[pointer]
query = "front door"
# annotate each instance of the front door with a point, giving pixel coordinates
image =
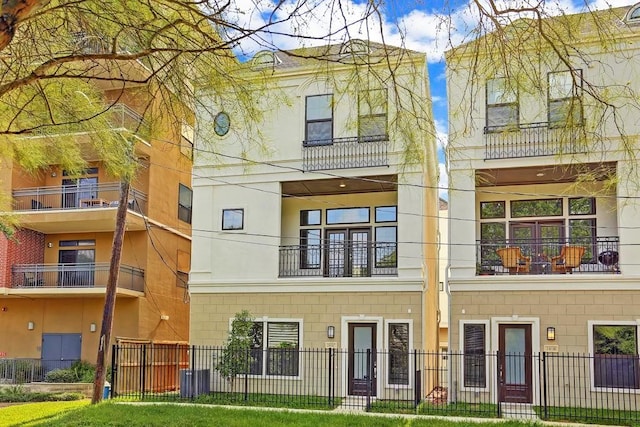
(348, 253)
(59, 351)
(362, 359)
(515, 363)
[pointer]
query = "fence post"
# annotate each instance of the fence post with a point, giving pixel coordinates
(544, 385)
(330, 372)
(499, 384)
(114, 369)
(143, 369)
(246, 376)
(369, 380)
(193, 373)
(416, 384)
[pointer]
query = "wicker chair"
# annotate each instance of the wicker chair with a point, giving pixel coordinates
(570, 257)
(513, 259)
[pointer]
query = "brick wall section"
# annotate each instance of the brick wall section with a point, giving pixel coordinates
(27, 247)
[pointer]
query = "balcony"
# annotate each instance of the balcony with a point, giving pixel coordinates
(339, 259)
(547, 256)
(531, 140)
(83, 196)
(74, 276)
(345, 153)
(119, 118)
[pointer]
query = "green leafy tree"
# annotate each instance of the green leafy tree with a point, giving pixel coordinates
(236, 356)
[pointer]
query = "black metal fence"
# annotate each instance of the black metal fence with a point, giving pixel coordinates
(345, 153)
(549, 386)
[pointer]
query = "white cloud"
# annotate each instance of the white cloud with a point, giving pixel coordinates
(443, 184)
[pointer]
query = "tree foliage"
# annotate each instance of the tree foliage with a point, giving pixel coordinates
(236, 355)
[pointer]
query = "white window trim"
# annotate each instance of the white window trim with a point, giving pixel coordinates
(487, 344)
(264, 320)
(590, 325)
(383, 367)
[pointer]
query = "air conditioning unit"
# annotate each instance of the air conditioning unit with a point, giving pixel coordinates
(194, 382)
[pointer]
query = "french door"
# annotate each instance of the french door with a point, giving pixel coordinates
(536, 238)
(348, 253)
(74, 190)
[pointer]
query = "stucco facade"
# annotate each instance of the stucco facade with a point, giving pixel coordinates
(544, 261)
(331, 232)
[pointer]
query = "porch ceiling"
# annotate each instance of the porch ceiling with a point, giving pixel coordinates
(364, 184)
(544, 174)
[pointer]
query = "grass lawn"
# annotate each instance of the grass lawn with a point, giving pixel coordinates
(30, 413)
(113, 414)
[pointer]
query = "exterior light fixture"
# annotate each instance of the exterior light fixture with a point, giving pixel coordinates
(551, 333)
(342, 184)
(92, 327)
(30, 325)
(331, 331)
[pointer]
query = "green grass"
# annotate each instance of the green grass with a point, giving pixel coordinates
(114, 414)
(29, 413)
(591, 415)
(260, 400)
(393, 407)
(460, 409)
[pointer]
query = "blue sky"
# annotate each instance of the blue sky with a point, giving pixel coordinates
(427, 26)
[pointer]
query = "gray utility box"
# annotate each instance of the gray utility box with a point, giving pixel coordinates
(194, 382)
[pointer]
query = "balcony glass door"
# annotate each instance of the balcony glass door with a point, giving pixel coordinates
(76, 267)
(76, 190)
(540, 240)
(348, 253)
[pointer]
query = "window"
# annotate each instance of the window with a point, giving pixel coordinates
(502, 105)
(542, 207)
(233, 219)
(312, 217)
(372, 115)
(565, 105)
(319, 117)
(582, 206)
(386, 214)
(347, 215)
(183, 262)
(310, 248)
(280, 346)
(186, 141)
(493, 235)
(474, 346)
(615, 352)
(398, 344)
(386, 247)
(185, 197)
(492, 210)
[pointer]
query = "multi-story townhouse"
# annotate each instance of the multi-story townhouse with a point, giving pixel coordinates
(321, 220)
(543, 146)
(53, 272)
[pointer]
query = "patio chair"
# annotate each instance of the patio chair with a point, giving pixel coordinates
(570, 257)
(513, 259)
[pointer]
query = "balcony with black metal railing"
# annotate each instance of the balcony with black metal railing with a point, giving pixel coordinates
(77, 275)
(548, 256)
(345, 153)
(71, 197)
(532, 140)
(341, 259)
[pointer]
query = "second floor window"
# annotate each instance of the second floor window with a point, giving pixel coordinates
(565, 105)
(319, 120)
(372, 115)
(185, 197)
(502, 105)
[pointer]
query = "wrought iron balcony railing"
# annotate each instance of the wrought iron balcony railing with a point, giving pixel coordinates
(530, 140)
(340, 259)
(80, 196)
(345, 153)
(549, 256)
(80, 275)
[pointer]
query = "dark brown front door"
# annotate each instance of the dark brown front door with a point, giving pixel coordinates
(515, 363)
(362, 359)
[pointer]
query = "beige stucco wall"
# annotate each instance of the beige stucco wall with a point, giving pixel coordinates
(567, 311)
(210, 314)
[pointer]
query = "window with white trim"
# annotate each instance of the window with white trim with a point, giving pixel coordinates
(615, 355)
(276, 348)
(474, 348)
(398, 345)
(319, 120)
(502, 105)
(565, 103)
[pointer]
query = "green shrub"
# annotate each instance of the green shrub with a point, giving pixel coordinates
(79, 372)
(19, 394)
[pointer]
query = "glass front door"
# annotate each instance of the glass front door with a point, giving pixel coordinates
(362, 359)
(515, 363)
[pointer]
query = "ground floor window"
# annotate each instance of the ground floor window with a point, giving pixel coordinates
(615, 355)
(474, 348)
(398, 343)
(275, 348)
